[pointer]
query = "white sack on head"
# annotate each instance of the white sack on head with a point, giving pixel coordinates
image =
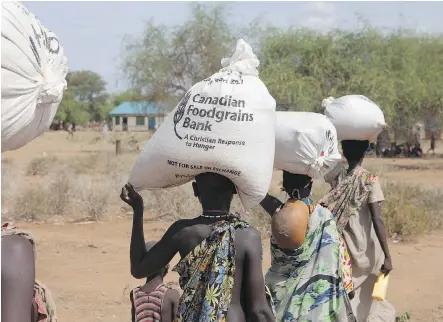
(305, 143)
(355, 117)
(33, 76)
(224, 124)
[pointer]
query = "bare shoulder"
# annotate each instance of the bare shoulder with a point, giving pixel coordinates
(184, 227)
(16, 246)
(249, 233)
(172, 295)
(19, 253)
(184, 223)
(248, 238)
(179, 227)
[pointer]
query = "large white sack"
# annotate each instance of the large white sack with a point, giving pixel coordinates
(355, 117)
(224, 124)
(33, 76)
(305, 143)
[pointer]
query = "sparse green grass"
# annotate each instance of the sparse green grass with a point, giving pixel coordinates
(403, 318)
(411, 211)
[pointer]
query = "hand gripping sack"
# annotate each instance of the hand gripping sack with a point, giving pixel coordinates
(355, 117)
(33, 76)
(223, 124)
(305, 143)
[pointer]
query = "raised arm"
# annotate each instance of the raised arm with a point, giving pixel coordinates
(257, 307)
(143, 263)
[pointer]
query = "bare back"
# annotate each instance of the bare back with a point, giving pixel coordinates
(248, 272)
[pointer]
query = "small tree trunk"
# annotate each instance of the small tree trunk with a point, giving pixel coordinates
(118, 150)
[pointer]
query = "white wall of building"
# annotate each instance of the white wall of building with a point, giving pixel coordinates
(132, 123)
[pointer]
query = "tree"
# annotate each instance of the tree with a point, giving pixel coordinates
(127, 96)
(72, 111)
(85, 99)
(400, 71)
(89, 87)
(167, 61)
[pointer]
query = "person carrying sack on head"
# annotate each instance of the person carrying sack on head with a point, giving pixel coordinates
(220, 267)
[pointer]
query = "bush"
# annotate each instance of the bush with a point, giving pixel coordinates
(411, 211)
(96, 139)
(95, 199)
(83, 185)
(102, 163)
(10, 179)
(90, 186)
(60, 195)
(172, 203)
(41, 202)
(31, 204)
(40, 166)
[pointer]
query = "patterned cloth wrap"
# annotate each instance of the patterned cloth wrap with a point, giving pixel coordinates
(42, 296)
(343, 201)
(349, 201)
(306, 283)
(207, 275)
(348, 194)
(345, 259)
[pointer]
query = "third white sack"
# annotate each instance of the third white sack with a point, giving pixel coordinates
(355, 117)
(223, 124)
(305, 143)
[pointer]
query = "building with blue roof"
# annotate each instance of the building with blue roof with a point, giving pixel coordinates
(137, 116)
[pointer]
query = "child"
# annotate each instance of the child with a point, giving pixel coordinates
(154, 301)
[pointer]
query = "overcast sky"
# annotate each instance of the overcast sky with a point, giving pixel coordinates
(92, 32)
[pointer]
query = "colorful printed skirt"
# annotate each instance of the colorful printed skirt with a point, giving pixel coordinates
(345, 259)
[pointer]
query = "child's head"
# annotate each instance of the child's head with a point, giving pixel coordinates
(164, 271)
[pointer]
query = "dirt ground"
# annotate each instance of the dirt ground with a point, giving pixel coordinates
(86, 265)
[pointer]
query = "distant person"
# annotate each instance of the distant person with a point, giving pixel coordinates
(417, 137)
(416, 151)
(105, 129)
(221, 256)
(24, 299)
(433, 139)
(154, 301)
(71, 131)
(355, 201)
